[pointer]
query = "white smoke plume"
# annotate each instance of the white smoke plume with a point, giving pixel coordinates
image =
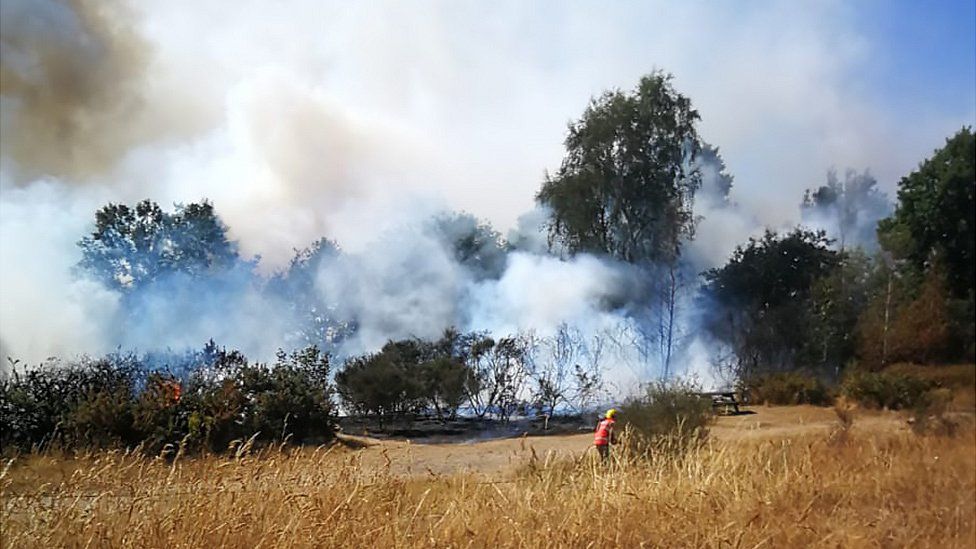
(359, 123)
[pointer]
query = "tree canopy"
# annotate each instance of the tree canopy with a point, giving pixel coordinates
(936, 213)
(758, 303)
(132, 247)
(626, 185)
(849, 209)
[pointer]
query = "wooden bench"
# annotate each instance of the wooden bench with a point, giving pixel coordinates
(723, 399)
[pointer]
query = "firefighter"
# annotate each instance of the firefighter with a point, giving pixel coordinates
(603, 437)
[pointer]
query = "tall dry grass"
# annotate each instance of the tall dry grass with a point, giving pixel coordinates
(863, 490)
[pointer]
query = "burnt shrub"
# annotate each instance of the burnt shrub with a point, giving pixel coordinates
(891, 390)
(666, 416)
(157, 414)
(787, 388)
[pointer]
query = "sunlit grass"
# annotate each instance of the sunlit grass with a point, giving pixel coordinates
(862, 490)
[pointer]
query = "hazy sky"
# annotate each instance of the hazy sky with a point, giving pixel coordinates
(299, 118)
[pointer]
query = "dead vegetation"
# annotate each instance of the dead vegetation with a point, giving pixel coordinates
(871, 487)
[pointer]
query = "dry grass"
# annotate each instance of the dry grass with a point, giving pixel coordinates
(865, 490)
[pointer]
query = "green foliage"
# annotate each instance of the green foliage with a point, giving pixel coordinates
(409, 377)
(290, 398)
(132, 247)
(788, 388)
(74, 404)
(626, 185)
(891, 390)
(836, 301)
(670, 415)
(475, 244)
(445, 382)
(936, 214)
(758, 304)
(379, 383)
(117, 401)
(313, 319)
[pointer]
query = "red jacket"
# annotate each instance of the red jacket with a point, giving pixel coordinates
(604, 432)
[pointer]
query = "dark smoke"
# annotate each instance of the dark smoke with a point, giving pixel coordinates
(71, 80)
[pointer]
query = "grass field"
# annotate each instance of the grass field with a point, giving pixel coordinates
(782, 477)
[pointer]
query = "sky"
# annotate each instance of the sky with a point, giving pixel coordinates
(480, 94)
(301, 119)
(315, 108)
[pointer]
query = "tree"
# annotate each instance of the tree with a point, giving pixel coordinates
(475, 244)
(588, 373)
(445, 379)
(499, 375)
(626, 189)
(848, 210)
(314, 318)
(934, 224)
(836, 301)
(387, 382)
(409, 376)
(716, 181)
(758, 303)
(936, 214)
(133, 247)
(552, 362)
(906, 319)
(626, 185)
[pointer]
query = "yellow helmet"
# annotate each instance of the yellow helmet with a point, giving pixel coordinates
(611, 413)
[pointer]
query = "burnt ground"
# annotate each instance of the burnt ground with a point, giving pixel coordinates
(462, 430)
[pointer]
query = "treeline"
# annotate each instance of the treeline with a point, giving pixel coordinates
(797, 301)
(178, 273)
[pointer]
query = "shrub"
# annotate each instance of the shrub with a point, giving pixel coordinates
(787, 388)
(291, 398)
(667, 415)
(407, 377)
(929, 414)
(955, 376)
(891, 390)
(119, 401)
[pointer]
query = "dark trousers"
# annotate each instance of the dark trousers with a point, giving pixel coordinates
(604, 450)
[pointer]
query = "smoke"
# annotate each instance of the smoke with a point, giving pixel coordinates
(722, 222)
(72, 76)
(849, 210)
(407, 285)
(46, 310)
(364, 125)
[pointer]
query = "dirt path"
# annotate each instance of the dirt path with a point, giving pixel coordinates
(493, 456)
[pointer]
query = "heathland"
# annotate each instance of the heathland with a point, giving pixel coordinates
(789, 476)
